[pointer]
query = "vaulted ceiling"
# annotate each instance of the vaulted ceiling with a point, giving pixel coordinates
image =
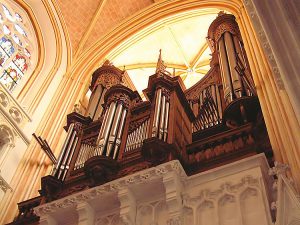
(181, 37)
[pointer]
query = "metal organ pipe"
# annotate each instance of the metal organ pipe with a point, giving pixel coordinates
(162, 117)
(113, 130)
(166, 121)
(94, 102)
(99, 107)
(225, 70)
(70, 157)
(156, 113)
(103, 140)
(58, 165)
(120, 131)
(135, 138)
(231, 56)
(68, 149)
(103, 124)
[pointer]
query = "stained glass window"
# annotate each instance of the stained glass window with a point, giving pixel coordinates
(15, 51)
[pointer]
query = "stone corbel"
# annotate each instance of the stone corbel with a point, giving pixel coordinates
(173, 186)
(127, 206)
(86, 213)
(278, 169)
(47, 220)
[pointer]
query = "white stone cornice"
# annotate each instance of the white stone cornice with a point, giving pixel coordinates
(113, 186)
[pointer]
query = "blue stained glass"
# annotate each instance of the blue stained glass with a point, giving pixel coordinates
(7, 46)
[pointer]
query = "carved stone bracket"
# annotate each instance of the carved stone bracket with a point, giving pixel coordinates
(278, 169)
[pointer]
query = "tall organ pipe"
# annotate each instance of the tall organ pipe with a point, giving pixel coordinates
(67, 154)
(166, 121)
(70, 158)
(225, 70)
(103, 124)
(62, 154)
(156, 112)
(110, 117)
(99, 106)
(162, 117)
(231, 56)
(113, 130)
(119, 135)
(95, 99)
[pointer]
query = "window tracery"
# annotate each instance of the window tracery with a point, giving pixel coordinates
(15, 47)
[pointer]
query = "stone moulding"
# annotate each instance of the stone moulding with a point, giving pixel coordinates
(155, 173)
(113, 186)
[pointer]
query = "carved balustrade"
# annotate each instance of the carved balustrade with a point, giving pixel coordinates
(226, 146)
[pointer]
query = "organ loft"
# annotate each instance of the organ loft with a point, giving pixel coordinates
(179, 156)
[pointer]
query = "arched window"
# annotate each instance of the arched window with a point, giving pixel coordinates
(15, 46)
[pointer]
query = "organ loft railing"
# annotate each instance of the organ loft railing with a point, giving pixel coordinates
(216, 121)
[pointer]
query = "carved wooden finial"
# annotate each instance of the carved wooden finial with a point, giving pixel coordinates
(221, 13)
(160, 67)
(107, 63)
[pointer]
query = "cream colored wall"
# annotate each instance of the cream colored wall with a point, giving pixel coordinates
(52, 96)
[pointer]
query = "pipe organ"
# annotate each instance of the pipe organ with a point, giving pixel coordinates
(215, 122)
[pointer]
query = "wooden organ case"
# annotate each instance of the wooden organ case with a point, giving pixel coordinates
(215, 122)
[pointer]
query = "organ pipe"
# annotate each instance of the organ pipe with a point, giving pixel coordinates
(231, 59)
(68, 149)
(119, 135)
(62, 154)
(103, 124)
(99, 106)
(94, 101)
(103, 140)
(162, 117)
(113, 130)
(156, 112)
(165, 133)
(225, 71)
(69, 158)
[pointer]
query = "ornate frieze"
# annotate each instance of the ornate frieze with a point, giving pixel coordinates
(116, 185)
